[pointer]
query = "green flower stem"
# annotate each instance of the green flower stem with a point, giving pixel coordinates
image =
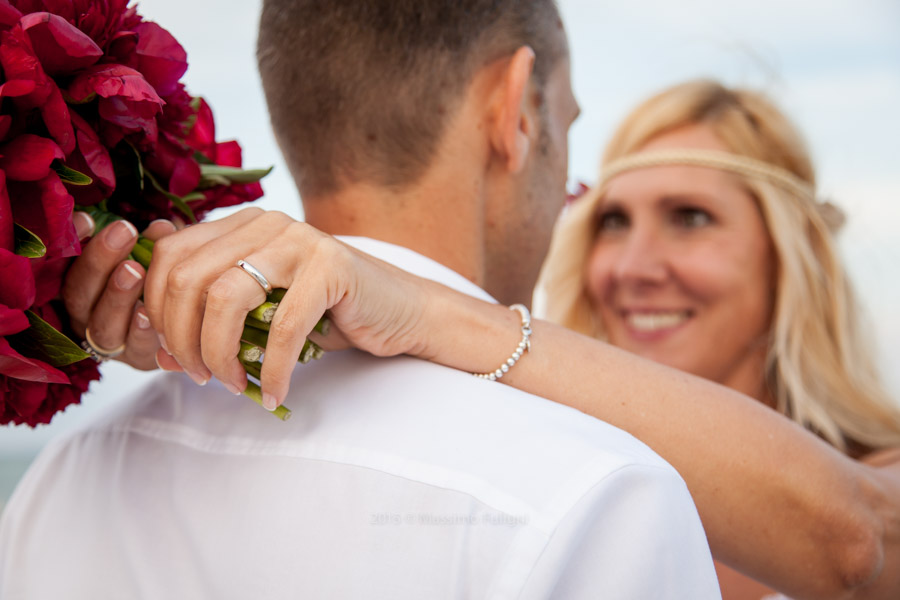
(249, 353)
(256, 323)
(142, 255)
(254, 369)
(254, 392)
(323, 326)
(254, 336)
(310, 351)
(259, 338)
(265, 312)
(277, 295)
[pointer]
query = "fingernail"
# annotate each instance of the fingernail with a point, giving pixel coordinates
(121, 234)
(162, 342)
(198, 379)
(84, 224)
(232, 389)
(166, 221)
(270, 403)
(127, 277)
(143, 321)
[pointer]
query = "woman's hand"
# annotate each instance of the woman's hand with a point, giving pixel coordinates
(102, 289)
(198, 299)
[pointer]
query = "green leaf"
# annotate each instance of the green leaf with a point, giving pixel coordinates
(70, 100)
(212, 181)
(202, 159)
(140, 165)
(179, 202)
(43, 342)
(28, 244)
(233, 174)
(70, 176)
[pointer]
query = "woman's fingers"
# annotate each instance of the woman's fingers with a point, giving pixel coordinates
(87, 278)
(235, 293)
(102, 291)
(159, 229)
(229, 300)
(296, 316)
(142, 342)
(112, 315)
(171, 250)
(189, 281)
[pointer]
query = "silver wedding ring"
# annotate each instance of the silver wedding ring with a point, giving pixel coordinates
(256, 275)
(98, 353)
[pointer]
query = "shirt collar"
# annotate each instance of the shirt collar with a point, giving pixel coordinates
(413, 262)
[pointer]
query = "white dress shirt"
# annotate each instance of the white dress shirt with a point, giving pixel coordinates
(395, 478)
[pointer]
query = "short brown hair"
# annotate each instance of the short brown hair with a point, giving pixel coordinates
(360, 90)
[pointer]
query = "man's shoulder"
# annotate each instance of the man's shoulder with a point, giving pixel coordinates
(451, 418)
(400, 416)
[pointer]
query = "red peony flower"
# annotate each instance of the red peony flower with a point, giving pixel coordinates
(127, 102)
(59, 46)
(92, 114)
(20, 63)
(161, 59)
(36, 401)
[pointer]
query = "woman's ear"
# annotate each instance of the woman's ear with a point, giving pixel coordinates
(514, 124)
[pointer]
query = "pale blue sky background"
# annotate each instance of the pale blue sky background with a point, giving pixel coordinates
(834, 65)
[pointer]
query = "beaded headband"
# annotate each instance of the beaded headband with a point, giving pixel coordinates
(742, 165)
(726, 161)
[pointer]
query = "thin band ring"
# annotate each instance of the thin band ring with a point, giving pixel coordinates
(98, 353)
(256, 275)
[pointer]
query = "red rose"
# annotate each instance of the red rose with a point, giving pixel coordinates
(91, 158)
(100, 20)
(35, 398)
(12, 321)
(127, 100)
(47, 213)
(17, 289)
(18, 393)
(16, 294)
(202, 136)
(28, 157)
(48, 278)
(61, 48)
(227, 154)
(9, 14)
(161, 58)
(19, 62)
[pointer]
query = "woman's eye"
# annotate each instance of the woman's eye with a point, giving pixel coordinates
(691, 218)
(611, 221)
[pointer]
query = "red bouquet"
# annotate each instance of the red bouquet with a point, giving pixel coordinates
(93, 116)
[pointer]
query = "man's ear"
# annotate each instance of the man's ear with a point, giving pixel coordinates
(514, 124)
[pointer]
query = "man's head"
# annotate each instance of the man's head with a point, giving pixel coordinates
(456, 111)
(361, 90)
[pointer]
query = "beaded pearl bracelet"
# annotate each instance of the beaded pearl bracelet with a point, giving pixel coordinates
(524, 346)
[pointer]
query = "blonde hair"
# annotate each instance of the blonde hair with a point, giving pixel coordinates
(819, 366)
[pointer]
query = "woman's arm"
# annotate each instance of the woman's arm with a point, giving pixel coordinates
(777, 503)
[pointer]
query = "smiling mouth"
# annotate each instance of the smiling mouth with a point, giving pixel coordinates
(650, 322)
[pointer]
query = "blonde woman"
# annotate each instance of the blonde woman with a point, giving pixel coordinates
(704, 248)
(778, 503)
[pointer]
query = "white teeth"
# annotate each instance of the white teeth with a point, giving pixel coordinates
(655, 321)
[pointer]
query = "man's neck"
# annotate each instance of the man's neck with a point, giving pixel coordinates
(433, 220)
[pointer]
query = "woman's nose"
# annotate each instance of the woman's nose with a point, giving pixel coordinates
(643, 258)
